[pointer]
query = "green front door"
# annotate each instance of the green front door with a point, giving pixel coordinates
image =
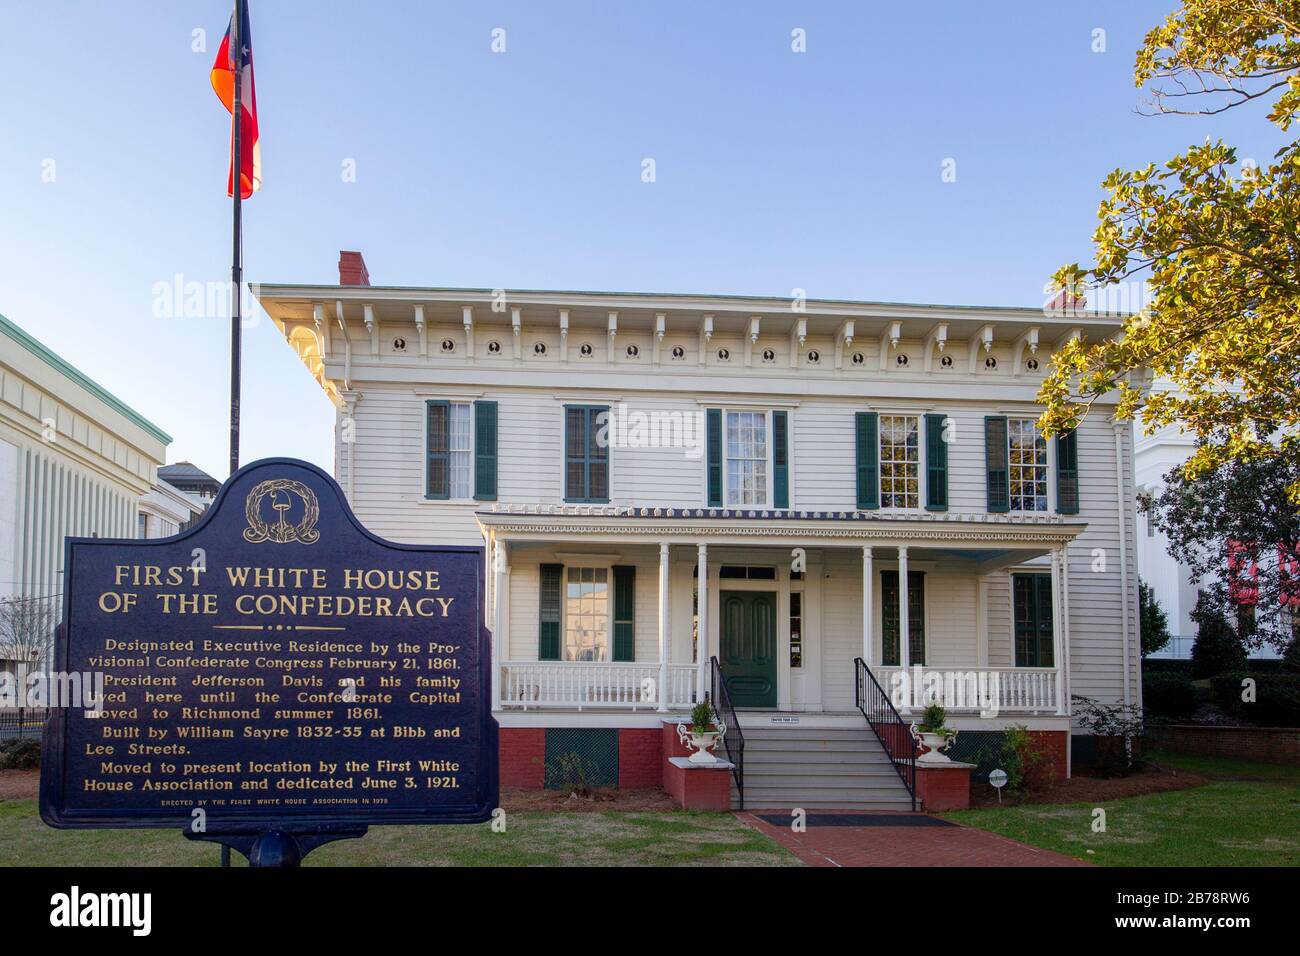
(749, 647)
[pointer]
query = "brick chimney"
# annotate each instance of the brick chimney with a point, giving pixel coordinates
(352, 269)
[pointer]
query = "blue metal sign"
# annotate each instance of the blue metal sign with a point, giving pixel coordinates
(275, 668)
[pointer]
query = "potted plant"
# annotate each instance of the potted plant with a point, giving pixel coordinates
(933, 735)
(702, 732)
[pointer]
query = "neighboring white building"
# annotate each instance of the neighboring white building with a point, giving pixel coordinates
(1170, 582)
(817, 455)
(74, 460)
(165, 510)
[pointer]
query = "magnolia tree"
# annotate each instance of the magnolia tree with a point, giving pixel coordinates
(1217, 240)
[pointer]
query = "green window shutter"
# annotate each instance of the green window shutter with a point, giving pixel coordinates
(437, 468)
(597, 454)
(624, 612)
(996, 470)
(548, 616)
(780, 460)
(889, 619)
(936, 463)
(1067, 473)
(485, 451)
(713, 441)
(866, 436)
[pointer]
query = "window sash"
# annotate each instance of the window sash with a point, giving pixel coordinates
(1027, 465)
(745, 461)
(1032, 619)
(889, 622)
(900, 461)
(586, 614)
(449, 450)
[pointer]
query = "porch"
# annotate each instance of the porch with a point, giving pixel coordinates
(785, 602)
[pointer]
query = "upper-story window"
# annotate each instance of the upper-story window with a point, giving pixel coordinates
(449, 443)
(900, 461)
(1027, 460)
(746, 466)
(586, 453)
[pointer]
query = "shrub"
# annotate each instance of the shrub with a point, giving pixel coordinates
(1168, 694)
(1024, 761)
(1115, 727)
(1218, 648)
(20, 754)
(1276, 703)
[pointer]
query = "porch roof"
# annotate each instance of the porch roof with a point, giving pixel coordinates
(974, 531)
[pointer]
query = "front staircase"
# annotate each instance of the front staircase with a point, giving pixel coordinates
(843, 768)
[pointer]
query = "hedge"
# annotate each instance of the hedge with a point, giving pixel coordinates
(1168, 694)
(1277, 698)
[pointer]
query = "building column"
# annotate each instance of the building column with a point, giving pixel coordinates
(868, 643)
(663, 626)
(1057, 628)
(702, 623)
(500, 617)
(904, 628)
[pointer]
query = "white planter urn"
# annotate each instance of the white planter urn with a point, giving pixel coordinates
(702, 742)
(935, 744)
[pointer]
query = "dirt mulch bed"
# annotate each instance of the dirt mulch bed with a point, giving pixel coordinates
(19, 784)
(1082, 789)
(555, 801)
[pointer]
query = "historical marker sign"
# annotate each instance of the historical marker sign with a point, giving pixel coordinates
(276, 667)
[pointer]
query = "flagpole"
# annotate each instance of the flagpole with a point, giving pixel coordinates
(236, 263)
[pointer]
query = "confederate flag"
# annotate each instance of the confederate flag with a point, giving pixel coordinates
(223, 82)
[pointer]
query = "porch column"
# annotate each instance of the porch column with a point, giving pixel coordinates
(500, 617)
(867, 580)
(663, 625)
(1057, 618)
(904, 630)
(702, 624)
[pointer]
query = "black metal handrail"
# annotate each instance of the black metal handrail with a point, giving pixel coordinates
(894, 734)
(733, 740)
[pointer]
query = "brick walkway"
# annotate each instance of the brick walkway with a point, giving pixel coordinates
(905, 846)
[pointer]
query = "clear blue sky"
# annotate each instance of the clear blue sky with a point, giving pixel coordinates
(775, 170)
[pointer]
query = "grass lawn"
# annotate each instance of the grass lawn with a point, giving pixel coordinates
(1248, 815)
(531, 839)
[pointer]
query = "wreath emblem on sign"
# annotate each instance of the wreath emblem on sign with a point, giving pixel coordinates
(281, 492)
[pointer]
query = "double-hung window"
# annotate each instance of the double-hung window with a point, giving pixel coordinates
(1032, 619)
(900, 461)
(1027, 461)
(747, 459)
(586, 614)
(449, 430)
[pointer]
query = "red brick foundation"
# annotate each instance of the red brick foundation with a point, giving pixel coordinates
(640, 758)
(523, 757)
(1052, 745)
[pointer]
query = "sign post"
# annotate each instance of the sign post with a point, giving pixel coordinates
(273, 679)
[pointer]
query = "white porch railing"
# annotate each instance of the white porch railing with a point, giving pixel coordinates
(582, 684)
(1026, 690)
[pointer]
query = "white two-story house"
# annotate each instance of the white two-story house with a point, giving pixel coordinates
(691, 495)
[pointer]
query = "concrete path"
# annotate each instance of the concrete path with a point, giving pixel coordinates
(901, 844)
